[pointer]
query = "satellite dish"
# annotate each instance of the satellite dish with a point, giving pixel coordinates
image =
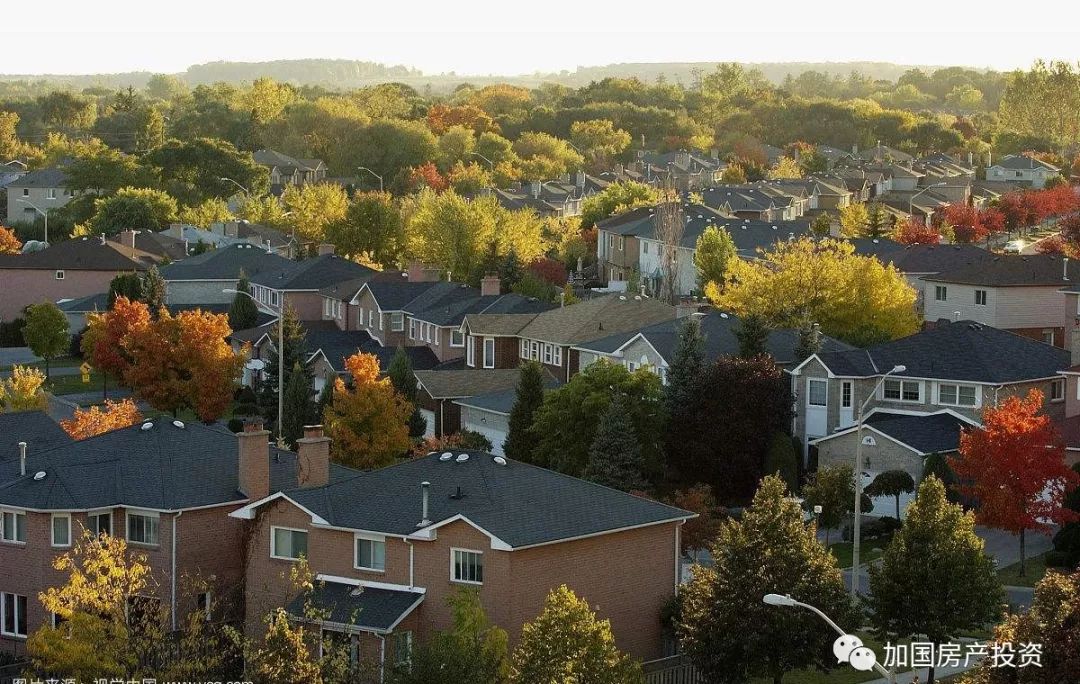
(255, 364)
(178, 424)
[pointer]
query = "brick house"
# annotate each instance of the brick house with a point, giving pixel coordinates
(64, 270)
(165, 486)
(298, 283)
(389, 546)
(439, 393)
(201, 279)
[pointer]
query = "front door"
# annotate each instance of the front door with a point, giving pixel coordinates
(817, 400)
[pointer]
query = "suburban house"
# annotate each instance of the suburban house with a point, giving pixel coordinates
(441, 390)
(1015, 168)
(160, 246)
(1019, 293)
(45, 189)
(11, 171)
(748, 202)
(684, 170)
(202, 279)
(653, 347)
(554, 198)
(918, 261)
(389, 546)
(165, 486)
(489, 414)
(64, 270)
(297, 284)
(219, 235)
(961, 366)
(329, 348)
(285, 170)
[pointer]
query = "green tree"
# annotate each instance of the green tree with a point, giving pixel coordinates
(821, 226)
(46, 332)
(753, 336)
(938, 465)
(243, 312)
(391, 146)
(720, 602)
(615, 455)
(372, 227)
(295, 351)
(403, 379)
(892, 483)
(133, 209)
(128, 285)
(567, 643)
(832, 488)
(713, 252)
(298, 407)
(567, 421)
(877, 221)
(544, 156)
(599, 139)
(686, 366)
(782, 460)
(153, 289)
(209, 212)
(314, 208)
(935, 578)
(193, 170)
(520, 438)
(615, 198)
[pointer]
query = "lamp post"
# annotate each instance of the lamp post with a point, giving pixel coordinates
(490, 163)
(230, 180)
(364, 168)
(43, 213)
(911, 200)
(858, 481)
(785, 601)
(281, 352)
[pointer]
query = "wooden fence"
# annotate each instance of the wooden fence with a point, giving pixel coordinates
(674, 670)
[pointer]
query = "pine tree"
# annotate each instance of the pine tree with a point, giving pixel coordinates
(128, 285)
(243, 313)
(298, 409)
(520, 440)
(510, 271)
(686, 366)
(295, 351)
(752, 334)
(153, 290)
(402, 378)
(877, 221)
(615, 457)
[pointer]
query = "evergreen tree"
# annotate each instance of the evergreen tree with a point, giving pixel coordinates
(877, 221)
(520, 439)
(809, 342)
(153, 290)
(243, 313)
(615, 457)
(685, 367)
(935, 578)
(937, 465)
(128, 285)
(752, 334)
(510, 271)
(402, 378)
(299, 409)
(295, 352)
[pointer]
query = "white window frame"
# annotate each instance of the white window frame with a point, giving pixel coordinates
(429, 334)
(524, 351)
(470, 351)
(374, 538)
(956, 386)
(534, 350)
(454, 550)
(977, 297)
(489, 362)
(941, 293)
(812, 382)
(273, 541)
(11, 596)
(437, 329)
(327, 307)
(150, 515)
(50, 193)
(360, 310)
(59, 274)
(406, 637)
(397, 321)
(1057, 387)
(66, 517)
(371, 318)
(557, 355)
(901, 399)
(461, 337)
(15, 517)
(412, 328)
(95, 514)
(548, 353)
(1051, 334)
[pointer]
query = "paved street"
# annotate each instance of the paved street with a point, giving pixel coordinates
(19, 355)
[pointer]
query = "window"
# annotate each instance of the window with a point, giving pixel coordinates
(524, 349)
(644, 246)
(13, 606)
(403, 648)
(489, 352)
(902, 390)
(361, 312)
(535, 353)
(99, 523)
(622, 242)
(13, 527)
(412, 328)
(940, 293)
(610, 237)
(558, 356)
(957, 395)
(817, 392)
(547, 354)
(287, 544)
(50, 193)
(1057, 390)
(371, 318)
(61, 529)
(428, 332)
(55, 619)
(466, 566)
(457, 338)
(59, 275)
(397, 322)
(845, 395)
(470, 352)
(204, 604)
(142, 528)
(980, 297)
(437, 334)
(26, 193)
(340, 642)
(1048, 336)
(326, 307)
(380, 320)
(370, 553)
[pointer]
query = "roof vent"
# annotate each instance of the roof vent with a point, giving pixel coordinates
(622, 298)
(146, 426)
(723, 315)
(499, 460)
(39, 476)
(446, 456)
(461, 458)
(178, 424)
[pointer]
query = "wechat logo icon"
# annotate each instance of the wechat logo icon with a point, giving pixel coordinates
(849, 648)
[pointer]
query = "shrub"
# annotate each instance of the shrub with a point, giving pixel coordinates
(1062, 559)
(246, 409)
(236, 424)
(475, 441)
(11, 332)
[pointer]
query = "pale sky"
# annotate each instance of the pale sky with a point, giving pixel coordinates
(523, 36)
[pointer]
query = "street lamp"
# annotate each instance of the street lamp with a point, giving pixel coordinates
(858, 481)
(230, 180)
(785, 601)
(281, 352)
(364, 168)
(43, 213)
(490, 163)
(911, 200)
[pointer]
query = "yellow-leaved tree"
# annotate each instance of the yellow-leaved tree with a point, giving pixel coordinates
(96, 420)
(796, 283)
(23, 390)
(369, 421)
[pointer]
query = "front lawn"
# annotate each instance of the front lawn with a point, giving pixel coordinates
(1035, 570)
(871, 549)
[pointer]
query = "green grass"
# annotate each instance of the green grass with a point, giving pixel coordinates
(871, 549)
(1035, 570)
(841, 674)
(60, 385)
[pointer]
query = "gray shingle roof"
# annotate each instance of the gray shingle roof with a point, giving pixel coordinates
(338, 345)
(457, 384)
(45, 178)
(936, 432)
(81, 254)
(1022, 162)
(923, 258)
(579, 322)
(962, 350)
(518, 503)
(225, 263)
(1013, 270)
(312, 274)
(38, 430)
(503, 400)
(364, 608)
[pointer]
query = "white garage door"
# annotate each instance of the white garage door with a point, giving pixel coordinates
(429, 418)
(495, 436)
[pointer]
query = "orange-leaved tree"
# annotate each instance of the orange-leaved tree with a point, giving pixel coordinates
(106, 333)
(183, 361)
(1014, 468)
(9, 244)
(368, 421)
(95, 420)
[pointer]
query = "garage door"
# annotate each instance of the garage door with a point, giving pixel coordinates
(429, 418)
(496, 437)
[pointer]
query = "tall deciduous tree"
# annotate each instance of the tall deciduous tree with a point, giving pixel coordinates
(615, 198)
(153, 289)
(314, 208)
(369, 420)
(832, 488)
(96, 420)
(9, 244)
(520, 438)
(853, 219)
(372, 228)
(192, 170)
(22, 391)
(567, 643)
(243, 312)
(106, 334)
(46, 332)
(720, 602)
(133, 209)
(935, 578)
(1014, 466)
(713, 252)
(615, 455)
(128, 285)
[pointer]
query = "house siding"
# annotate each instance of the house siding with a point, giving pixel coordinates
(1027, 309)
(24, 286)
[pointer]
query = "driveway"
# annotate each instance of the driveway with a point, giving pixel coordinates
(10, 356)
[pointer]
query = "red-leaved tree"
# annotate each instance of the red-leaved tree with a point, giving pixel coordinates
(914, 232)
(427, 176)
(964, 221)
(1014, 469)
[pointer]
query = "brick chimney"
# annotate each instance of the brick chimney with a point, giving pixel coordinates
(313, 457)
(490, 285)
(325, 248)
(419, 273)
(127, 238)
(254, 462)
